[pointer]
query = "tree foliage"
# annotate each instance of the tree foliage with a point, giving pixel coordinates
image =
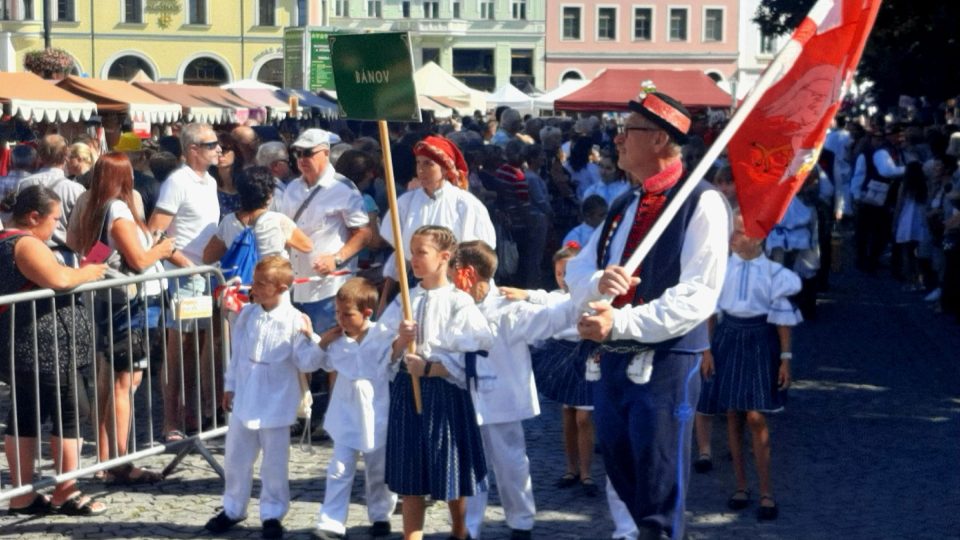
(912, 50)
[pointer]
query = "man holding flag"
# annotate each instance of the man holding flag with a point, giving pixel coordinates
(653, 333)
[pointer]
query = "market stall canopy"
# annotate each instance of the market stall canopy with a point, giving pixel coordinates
(566, 88)
(433, 81)
(195, 108)
(438, 109)
(509, 95)
(266, 95)
(28, 97)
(237, 108)
(310, 101)
(613, 88)
(122, 97)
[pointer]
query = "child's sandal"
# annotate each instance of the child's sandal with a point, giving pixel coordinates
(739, 500)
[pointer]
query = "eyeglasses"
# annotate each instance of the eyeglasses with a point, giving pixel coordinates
(208, 145)
(624, 129)
(306, 154)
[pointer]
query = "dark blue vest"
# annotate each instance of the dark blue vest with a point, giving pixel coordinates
(660, 270)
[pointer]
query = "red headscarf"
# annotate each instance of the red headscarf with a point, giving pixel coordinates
(447, 155)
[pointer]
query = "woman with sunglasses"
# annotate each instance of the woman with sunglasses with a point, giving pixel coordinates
(226, 171)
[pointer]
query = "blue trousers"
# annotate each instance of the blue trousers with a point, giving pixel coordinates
(645, 433)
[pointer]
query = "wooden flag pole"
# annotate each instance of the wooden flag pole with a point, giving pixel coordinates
(398, 252)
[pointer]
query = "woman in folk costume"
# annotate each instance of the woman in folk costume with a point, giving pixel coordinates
(442, 199)
(748, 372)
(437, 452)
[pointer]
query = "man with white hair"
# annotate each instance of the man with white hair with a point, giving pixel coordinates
(335, 221)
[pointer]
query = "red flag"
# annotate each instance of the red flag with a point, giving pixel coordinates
(780, 140)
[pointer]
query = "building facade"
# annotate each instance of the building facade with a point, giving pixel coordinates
(584, 37)
(188, 41)
(484, 43)
(756, 49)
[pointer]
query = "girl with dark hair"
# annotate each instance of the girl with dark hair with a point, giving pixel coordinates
(53, 349)
(582, 166)
(275, 232)
(112, 212)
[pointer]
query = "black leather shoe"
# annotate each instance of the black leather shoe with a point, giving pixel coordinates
(380, 528)
(221, 523)
(272, 529)
(519, 534)
(767, 513)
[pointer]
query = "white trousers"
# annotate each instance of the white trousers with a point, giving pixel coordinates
(336, 498)
(623, 525)
(506, 452)
(243, 447)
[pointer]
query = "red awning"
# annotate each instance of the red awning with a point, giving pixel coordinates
(613, 88)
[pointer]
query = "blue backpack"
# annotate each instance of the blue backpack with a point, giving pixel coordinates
(242, 256)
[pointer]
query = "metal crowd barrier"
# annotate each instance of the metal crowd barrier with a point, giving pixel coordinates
(115, 320)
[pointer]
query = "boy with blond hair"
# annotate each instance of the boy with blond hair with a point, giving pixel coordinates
(270, 348)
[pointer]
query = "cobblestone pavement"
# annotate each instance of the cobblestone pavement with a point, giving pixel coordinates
(867, 448)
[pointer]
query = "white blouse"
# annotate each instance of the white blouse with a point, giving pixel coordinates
(449, 324)
(759, 287)
(268, 352)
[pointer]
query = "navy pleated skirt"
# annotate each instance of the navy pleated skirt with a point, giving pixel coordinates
(439, 452)
(746, 355)
(559, 367)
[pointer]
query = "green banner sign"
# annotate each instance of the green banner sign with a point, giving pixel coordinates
(306, 59)
(293, 58)
(321, 73)
(374, 76)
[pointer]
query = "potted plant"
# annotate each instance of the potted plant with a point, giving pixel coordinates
(48, 63)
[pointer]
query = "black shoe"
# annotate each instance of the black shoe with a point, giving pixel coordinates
(567, 480)
(520, 534)
(380, 528)
(321, 534)
(272, 529)
(703, 464)
(767, 513)
(221, 523)
(589, 487)
(739, 500)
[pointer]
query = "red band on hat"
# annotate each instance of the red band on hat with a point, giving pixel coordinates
(446, 154)
(667, 112)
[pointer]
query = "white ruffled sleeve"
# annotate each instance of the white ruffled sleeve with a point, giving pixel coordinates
(783, 283)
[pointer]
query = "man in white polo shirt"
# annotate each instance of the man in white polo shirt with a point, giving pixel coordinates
(329, 208)
(187, 209)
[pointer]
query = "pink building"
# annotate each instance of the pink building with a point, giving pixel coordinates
(584, 37)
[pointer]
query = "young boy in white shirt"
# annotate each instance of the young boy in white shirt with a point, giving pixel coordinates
(356, 419)
(270, 348)
(503, 390)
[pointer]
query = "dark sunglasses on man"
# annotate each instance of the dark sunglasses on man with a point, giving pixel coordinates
(305, 154)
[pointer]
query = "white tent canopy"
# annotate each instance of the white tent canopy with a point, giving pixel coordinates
(509, 96)
(566, 88)
(433, 81)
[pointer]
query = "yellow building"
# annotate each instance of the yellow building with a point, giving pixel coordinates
(187, 41)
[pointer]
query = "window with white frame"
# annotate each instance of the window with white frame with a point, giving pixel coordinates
(267, 13)
(301, 15)
(572, 23)
(455, 7)
(678, 24)
(768, 44)
(606, 24)
(196, 11)
(341, 8)
(431, 10)
(375, 9)
(642, 24)
(16, 10)
(519, 10)
(486, 9)
(713, 24)
(133, 11)
(66, 10)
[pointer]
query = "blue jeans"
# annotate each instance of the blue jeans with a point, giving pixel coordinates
(321, 313)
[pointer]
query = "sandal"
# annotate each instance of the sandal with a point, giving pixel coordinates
(174, 436)
(80, 505)
(589, 487)
(703, 464)
(739, 500)
(767, 513)
(128, 475)
(40, 505)
(567, 480)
